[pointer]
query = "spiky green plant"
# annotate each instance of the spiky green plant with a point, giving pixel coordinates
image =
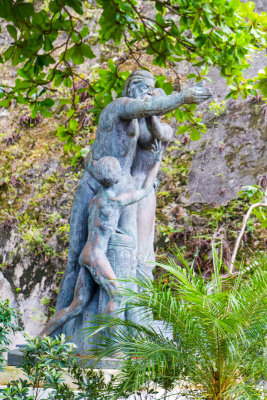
(218, 328)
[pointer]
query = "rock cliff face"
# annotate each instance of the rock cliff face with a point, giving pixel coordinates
(231, 155)
(32, 251)
(37, 186)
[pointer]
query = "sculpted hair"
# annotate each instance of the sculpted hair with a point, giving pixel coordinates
(107, 171)
(136, 76)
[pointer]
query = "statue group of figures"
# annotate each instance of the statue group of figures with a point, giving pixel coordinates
(113, 213)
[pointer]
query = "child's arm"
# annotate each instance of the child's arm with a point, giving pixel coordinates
(125, 199)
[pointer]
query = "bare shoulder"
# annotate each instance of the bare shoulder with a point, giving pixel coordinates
(115, 104)
(111, 112)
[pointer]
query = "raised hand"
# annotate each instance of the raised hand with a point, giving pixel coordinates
(197, 94)
(157, 150)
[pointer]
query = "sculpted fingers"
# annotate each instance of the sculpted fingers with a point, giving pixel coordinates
(159, 146)
(157, 150)
(196, 94)
(155, 146)
(202, 94)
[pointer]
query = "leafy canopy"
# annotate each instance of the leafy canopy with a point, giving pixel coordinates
(49, 43)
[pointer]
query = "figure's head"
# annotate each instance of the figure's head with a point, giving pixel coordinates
(139, 84)
(107, 171)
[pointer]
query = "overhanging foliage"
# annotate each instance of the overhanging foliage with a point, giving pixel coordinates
(49, 42)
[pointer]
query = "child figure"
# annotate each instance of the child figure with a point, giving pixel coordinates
(104, 212)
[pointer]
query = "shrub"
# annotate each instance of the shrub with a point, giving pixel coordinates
(45, 362)
(8, 325)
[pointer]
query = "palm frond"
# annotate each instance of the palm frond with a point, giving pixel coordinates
(218, 327)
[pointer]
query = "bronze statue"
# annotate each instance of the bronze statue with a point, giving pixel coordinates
(127, 129)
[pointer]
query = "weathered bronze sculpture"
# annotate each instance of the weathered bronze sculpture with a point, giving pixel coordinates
(127, 129)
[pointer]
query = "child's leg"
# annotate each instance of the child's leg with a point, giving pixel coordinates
(81, 296)
(104, 275)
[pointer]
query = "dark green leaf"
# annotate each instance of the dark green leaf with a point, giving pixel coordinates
(86, 51)
(48, 102)
(77, 55)
(9, 52)
(12, 31)
(67, 82)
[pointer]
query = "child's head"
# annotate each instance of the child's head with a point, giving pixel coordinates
(107, 171)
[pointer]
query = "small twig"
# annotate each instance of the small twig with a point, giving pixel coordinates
(132, 52)
(244, 223)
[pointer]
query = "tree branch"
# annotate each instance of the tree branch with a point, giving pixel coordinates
(244, 223)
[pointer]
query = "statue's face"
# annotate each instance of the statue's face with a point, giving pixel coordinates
(142, 88)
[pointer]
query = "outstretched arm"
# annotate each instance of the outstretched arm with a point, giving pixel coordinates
(161, 105)
(134, 196)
